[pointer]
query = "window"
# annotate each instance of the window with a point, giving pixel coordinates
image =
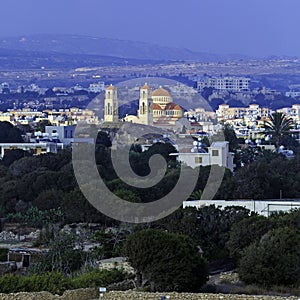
(198, 160)
(215, 153)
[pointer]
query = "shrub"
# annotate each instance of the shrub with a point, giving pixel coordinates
(97, 278)
(275, 260)
(54, 283)
(57, 283)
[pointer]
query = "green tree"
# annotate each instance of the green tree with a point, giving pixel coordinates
(48, 199)
(278, 126)
(103, 138)
(41, 125)
(196, 195)
(167, 262)
(9, 133)
(14, 155)
(208, 227)
(247, 232)
(275, 260)
(228, 135)
(127, 195)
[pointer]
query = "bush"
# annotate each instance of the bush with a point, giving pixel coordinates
(97, 278)
(275, 260)
(246, 232)
(54, 283)
(57, 283)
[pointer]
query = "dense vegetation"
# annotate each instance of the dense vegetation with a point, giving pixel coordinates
(41, 192)
(57, 283)
(166, 261)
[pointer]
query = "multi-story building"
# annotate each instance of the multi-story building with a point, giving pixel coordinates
(97, 87)
(251, 113)
(234, 84)
(217, 154)
(292, 112)
(65, 134)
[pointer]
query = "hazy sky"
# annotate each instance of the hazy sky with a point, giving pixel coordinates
(255, 27)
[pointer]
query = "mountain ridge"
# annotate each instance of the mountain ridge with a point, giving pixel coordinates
(89, 45)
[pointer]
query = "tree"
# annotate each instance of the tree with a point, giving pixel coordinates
(166, 261)
(103, 138)
(278, 126)
(208, 227)
(9, 133)
(275, 260)
(65, 255)
(246, 232)
(48, 199)
(14, 155)
(41, 125)
(196, 195)
(229, 136)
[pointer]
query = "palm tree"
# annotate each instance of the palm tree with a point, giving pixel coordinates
(196, 195)
(278, 126)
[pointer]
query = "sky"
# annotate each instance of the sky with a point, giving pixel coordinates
(249, 27)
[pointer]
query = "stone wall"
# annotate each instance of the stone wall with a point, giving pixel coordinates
(182, 296)
(93, 294)
(80, 294)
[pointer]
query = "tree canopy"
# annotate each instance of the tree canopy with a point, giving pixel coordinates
(166, 261)
(278, 126)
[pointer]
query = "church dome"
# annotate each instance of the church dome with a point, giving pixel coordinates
(173, 106)
(161, 92)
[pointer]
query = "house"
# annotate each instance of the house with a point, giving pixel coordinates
(217, 154)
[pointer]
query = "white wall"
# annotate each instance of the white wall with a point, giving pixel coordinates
(262, 207)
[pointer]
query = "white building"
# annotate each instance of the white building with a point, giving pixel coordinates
(218, 154)
(261, 207)
(65, 134)
(292, 94)
(234, 84)
(292, 112)
(97, 87)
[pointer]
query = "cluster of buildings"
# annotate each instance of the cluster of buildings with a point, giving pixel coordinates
(155, 108)
(95, 87)
(61, 117)
(54, 139)
(248, 121)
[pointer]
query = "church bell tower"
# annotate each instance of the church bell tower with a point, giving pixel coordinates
(111, 113)
(145, 112)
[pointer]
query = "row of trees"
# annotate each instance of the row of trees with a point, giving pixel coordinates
(174, 253)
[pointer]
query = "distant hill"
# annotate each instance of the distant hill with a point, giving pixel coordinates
(26, 59)
(85, 45)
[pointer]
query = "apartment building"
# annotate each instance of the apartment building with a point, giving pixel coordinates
(234, 84)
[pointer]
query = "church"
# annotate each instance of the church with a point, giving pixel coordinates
(156, 108)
